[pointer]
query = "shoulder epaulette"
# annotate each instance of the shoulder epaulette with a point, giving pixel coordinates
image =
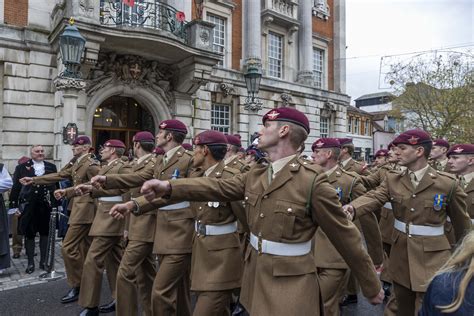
(231, 170)
(447, 174)
(352, 174)
(310, 166)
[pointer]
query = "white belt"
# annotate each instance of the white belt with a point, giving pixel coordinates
(388, 205)
(176, 206)
(418, 230)
(213, 230)
(279, 248)
(116, 198)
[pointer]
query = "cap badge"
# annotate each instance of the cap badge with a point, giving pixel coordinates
(319, 144)
(458, 150)
(293, 165)
(413, 140)
(107, 144)
(273, 115)
(163, 125)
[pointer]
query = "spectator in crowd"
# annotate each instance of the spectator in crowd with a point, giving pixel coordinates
(451, 291)
(17, 239)
(34, 203)
(5, 185)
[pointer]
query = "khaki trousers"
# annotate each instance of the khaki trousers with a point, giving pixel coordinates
(104, 253)
(352, 285)
(385, 275)
(332, 283)
(17, 240)
(135, 275)
(409, 302)
(213, 303)
(171, 295)
(74, 250)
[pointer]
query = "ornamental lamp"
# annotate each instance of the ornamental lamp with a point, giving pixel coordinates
(253, 75)
(71, 44)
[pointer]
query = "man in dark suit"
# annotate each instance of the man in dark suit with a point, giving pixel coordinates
(35, 203)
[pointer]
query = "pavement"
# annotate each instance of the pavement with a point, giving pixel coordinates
(27, 294)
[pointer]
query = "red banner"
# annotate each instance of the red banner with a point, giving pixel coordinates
(130, 3)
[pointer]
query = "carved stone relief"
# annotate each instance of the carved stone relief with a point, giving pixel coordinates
(130, 70)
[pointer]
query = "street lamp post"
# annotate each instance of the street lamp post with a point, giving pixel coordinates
(253, 75)
(71, 44)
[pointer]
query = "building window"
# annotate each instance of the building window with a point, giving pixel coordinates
(275, 55)
(367, 128)
(220, 118)
(324, 127)
(219, 35)
(318, 67)
(349, 125)
(357, 126)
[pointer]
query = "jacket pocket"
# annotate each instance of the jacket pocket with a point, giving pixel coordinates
(175, 215)
(436, 244)
(222, 242)
(293, 266)
(286, 214)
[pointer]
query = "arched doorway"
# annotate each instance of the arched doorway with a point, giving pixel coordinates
(120, 117)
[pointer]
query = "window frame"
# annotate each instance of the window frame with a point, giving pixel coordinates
(321, 84)
(324, 121)
(282, 54)
(223, 62)
(224, 128)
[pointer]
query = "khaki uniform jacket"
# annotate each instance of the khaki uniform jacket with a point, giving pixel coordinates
(83, 209)
(238, 164)
(371, 182)
(142, 228)
(415, 259)
(349, 188)
(174, 229)
(470, 198)
(104, 224)
(287, 210)
(217, 260)
(357, 167)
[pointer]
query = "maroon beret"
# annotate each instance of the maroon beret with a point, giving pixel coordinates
(187, 146)
(82, 140)
(381, 153)
(174, 125)
(238, 136)
(144, 136)
(345, 141)
(461, 149)
(233, 140)
(441, 142)
(159, 151)
(287, 115)
(210, 138)
(116, 143)
(23, 159)
(326, 143)
(413, 137)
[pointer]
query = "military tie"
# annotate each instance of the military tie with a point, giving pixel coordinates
(462, 182)
(165, 160)
(270, 173)
(413, 179)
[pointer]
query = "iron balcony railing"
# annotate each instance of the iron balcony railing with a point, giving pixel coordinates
(144, 13)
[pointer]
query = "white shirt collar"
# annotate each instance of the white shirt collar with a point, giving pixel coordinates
(171, 152)
(420, 173)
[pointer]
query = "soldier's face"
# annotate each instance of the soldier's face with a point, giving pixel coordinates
(37, 153)
(460, 164)
(437, 152)
(106, 152)
(380, 160)
(407, 154)
(79, 150)
(320, 156)
(269, 135)
(199, 156)
(392, 157)
(161, 138)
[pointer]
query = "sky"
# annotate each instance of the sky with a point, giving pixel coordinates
(379, 29)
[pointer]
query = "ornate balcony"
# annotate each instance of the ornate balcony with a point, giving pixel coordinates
(145, 13)
(281, 12)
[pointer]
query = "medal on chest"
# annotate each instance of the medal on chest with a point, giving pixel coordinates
(339, 193)
(438, 202)
(175, 174)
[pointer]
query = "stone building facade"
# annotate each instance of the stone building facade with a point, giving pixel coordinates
(143, 64)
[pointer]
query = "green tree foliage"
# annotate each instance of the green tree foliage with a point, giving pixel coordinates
(435, 93)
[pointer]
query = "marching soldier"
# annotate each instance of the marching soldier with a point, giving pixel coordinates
(439, 160)
(232, 158)
(174, 230)
(77, 241)
(345, 159)
(106, 248)
(421, 198)
(283, 212)
(461, 163)
(333, 271)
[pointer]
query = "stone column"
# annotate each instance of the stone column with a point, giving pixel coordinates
(70, 89)
(305, 42)
(253, 51)
(340, 46)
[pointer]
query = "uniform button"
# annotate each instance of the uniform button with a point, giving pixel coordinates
(265, 196)
(162, 172)
(199, 221)
(246, 198)
(391, 199)
(413, 196)
(200, 207)
(290, 210)
(36, 191)
(412, 209)
(262, 215)
(260, 234)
